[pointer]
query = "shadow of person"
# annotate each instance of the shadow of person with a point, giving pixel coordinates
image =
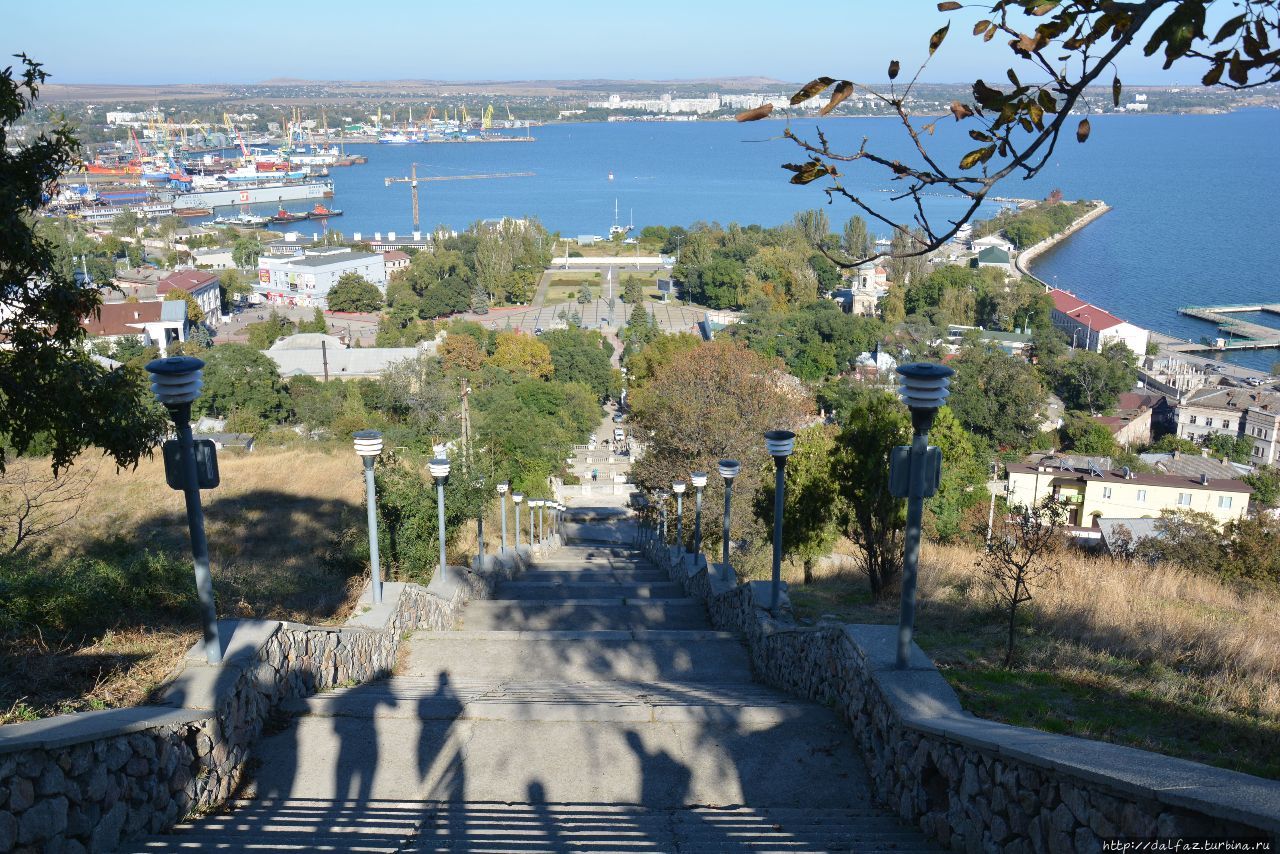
(548, 831)
(664, 781)
(441, 761)
(358, 749)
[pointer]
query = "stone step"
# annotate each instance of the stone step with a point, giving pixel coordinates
(579, 656)
(809, 762)
(314, 825)
(620, 613)
(723, 704)
(588, 590)
(623, 574)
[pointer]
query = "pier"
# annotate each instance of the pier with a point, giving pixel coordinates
(1241, 334)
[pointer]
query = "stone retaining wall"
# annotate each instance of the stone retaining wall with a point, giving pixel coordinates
(88, 781)
(973, 784)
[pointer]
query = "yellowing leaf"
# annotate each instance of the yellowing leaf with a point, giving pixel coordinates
(974, 157)
(948, 6)
(843, 90)
(813, 87)
(981, 27)
(754, 115)
(935, 40)
(1082, 130)
(960, 111)
(1043, 8)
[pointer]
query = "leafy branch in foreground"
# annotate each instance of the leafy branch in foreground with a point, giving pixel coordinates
(1067, 46)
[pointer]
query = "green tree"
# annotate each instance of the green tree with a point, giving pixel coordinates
(1170, 443)
(317, 323)
(1238, 449)
(233, 288)
(584, 295)
(246, 251)
(997, 396)
(1265, 481)
(1092, 382)
(264, 333)
(810, 525)
(1086, 436)
(49, 386)
(238, 378)
(581, 356)
(195, 314)
(875, 520)
(354, 293)
(124, 224)
(720, 284)
(856, 241)
(632, 290)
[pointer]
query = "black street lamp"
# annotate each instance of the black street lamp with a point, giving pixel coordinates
(176, 382)
(914, 474)
(780, 444)
(728, 470)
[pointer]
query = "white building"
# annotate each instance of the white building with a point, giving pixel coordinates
(1234, 412)
(156, 324)
(1093, 328)
(306, 279)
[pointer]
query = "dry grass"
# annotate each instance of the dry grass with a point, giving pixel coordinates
(286, 536)
(1155, 657)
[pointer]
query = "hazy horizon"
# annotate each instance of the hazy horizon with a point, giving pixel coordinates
(325, 42)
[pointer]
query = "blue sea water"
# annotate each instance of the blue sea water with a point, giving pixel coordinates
(1194, 217)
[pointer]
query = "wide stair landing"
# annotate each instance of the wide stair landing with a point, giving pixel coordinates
(588, 707)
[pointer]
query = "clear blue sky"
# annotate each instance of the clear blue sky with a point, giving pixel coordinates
(147, 41)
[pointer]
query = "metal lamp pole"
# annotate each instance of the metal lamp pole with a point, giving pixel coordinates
(699, 481)
(662, 497)
(535, 522)
(439, 468)
(914, 473)
(678, 488)
(780, 444)
(368, 446)
(502, 492)
(728, 470)
(176, 382)
(517, 498)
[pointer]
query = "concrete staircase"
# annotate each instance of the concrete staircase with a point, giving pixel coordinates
(589, 707)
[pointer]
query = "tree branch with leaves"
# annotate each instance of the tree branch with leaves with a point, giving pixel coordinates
(1063, 48)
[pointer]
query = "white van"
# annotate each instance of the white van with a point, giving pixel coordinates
(619, 435)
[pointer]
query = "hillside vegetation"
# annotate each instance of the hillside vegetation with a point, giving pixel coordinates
(95, 613)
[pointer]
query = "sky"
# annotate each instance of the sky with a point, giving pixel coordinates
(150, 42)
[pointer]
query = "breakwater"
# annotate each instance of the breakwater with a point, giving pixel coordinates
(1022, 263)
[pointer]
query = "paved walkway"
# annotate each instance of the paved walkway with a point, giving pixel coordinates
(589, 707)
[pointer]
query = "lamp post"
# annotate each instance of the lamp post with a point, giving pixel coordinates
(728, 470)
(517, 498)
(368, 446)
(914, 472)
(502, 492)
(780, 444)
(176, 383)
(662, 498)
(439, 468)
(678, 488)
(535, 521)
(699, 481)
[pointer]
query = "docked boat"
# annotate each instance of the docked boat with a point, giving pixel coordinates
(192, 211)
(241, 220)
(322, 212)
(284, 217)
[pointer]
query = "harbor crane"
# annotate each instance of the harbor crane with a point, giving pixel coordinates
(413, 181)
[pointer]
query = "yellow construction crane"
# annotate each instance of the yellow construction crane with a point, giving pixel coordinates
(466, 119)
(487, 121)
(413, 181)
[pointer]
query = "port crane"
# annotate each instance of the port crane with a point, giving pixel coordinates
(413, 181)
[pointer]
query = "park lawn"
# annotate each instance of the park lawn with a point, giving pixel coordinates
(1093, 672)
(286, 540)
(565, 286)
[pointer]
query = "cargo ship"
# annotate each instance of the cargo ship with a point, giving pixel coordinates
(248, 193)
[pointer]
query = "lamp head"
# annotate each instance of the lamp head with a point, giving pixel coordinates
(439, 467)
(729, 469)
(780, 443)
(698, 479)
(924, 385)
(503, 487)
(368, 443)
(176, 380)
(517, 497)
(678, 487)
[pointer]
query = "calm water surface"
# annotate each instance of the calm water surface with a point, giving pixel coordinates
(1194, 197)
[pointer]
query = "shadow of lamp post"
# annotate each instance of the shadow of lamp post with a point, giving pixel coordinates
(502, 493)
(368, 446)
(678, 488)
(914, 474)
(780, 444)
(439, 468)
(176, 382)
(728, 470)
(699, 481)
